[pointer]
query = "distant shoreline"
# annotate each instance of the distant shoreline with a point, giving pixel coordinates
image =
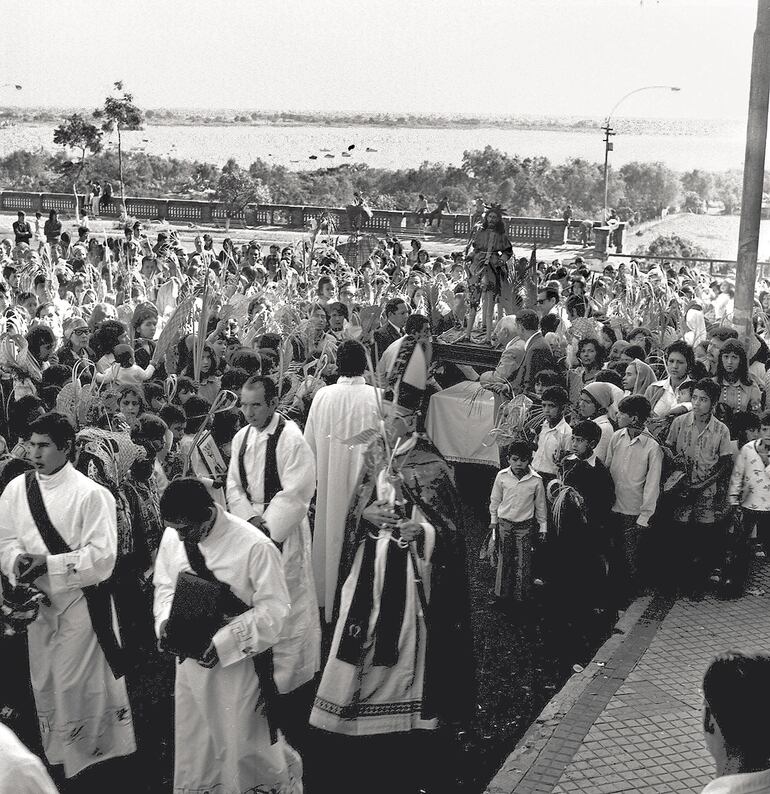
(36, 117)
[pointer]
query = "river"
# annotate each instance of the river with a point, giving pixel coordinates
(404, 147)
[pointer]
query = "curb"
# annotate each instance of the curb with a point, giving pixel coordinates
(529, 747)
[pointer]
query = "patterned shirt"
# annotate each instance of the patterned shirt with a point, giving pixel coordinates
(702, 450)
(750, 481)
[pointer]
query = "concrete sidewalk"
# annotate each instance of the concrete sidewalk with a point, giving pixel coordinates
(631, 721)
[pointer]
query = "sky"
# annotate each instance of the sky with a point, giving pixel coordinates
(492, 57)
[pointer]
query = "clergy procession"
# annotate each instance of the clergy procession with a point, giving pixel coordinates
(219, 486)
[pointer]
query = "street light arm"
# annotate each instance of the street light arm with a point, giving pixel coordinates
(636, 91)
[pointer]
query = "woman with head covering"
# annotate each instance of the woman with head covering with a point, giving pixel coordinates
(594, 401)
(75, 337)
(695, 325)
(638, 377)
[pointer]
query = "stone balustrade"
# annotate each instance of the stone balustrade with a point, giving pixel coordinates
(543, 232)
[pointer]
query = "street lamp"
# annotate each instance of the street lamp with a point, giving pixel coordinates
(608, 131)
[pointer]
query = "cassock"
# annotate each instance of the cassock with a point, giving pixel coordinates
(297, 654)
(83, 710)
(221, 733)
(338, 412)
(391, 668)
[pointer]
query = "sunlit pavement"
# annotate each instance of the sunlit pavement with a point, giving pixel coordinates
(632, 720)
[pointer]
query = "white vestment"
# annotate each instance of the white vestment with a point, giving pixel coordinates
(337, 413)
(21, 772)
(367, 699)
(297, 654)
(221, 737)
(83, 710)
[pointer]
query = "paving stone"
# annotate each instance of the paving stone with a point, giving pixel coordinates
(637, 726)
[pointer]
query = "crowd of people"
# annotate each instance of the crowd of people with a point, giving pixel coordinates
(219, 455)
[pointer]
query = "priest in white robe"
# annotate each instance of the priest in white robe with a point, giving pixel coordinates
(83, 709)
(337, 413)
(270, 482)
(222, 737)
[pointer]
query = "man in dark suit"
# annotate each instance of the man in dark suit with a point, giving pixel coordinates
(537, 352)
(392, 328)
(22, 230)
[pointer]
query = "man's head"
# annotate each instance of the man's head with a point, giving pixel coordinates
(585, 436)
(396, 312)
(418, 326)
(717, 337)
(547, 298)
(351, 359)
(259, 400)
(519, 457)
(187, 507)
(705, 395)
(554, 401)
(527, 323)
(633, 411)
(736, 703)
(51, 442)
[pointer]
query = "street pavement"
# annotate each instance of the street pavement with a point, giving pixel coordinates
(631, 721)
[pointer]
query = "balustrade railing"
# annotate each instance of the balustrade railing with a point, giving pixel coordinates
(541, 231)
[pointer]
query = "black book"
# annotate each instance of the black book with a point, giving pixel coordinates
(197, 614)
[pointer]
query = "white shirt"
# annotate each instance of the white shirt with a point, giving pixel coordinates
(635, 465)
(551, 442)
(517, 499)
(745, 783)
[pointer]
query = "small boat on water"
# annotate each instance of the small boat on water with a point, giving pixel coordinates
(329, 156)
(324, 150)
(369, 149)
(346, 154)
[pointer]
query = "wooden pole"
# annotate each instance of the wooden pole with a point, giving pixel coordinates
(753, 172)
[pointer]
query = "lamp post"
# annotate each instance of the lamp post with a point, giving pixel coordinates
(609, 132)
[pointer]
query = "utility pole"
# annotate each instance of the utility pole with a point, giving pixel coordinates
(753, 172)
(608, 133)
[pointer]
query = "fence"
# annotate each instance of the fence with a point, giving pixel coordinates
(544, 232)
(715, 267)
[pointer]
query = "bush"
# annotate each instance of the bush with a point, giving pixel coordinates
(673, 245)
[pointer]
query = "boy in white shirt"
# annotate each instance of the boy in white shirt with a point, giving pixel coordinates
(750, 486)
(516, 506)
(554, 440)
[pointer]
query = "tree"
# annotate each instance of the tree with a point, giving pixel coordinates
(700, 182)
(80, 135)
(236, 188)
(650, 187)
(120, 112)
(728, 188)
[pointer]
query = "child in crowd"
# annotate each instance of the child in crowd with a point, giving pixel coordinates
(516, 509)
(125, 371)
(749, 487)
(703, 443)
(635, 460)
(555, 432)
